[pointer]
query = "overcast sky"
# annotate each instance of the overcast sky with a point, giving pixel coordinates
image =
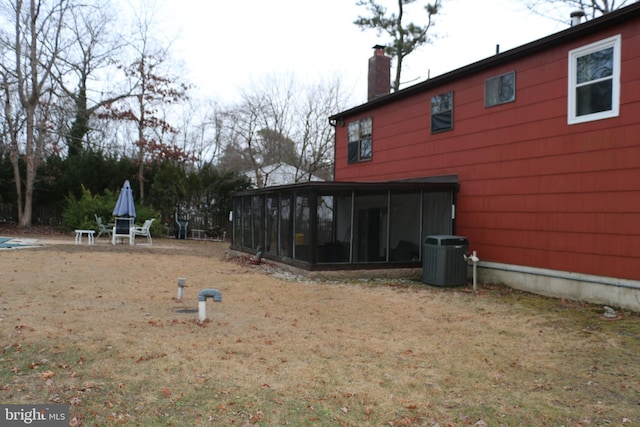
(225, 45)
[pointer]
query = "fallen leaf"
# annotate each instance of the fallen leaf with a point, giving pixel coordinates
(166, 391)
(46, 375)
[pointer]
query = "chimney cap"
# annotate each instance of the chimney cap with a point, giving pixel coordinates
(576, 17)
(379, 46)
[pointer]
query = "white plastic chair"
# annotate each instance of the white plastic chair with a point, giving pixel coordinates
(102, 227)
(145, 231)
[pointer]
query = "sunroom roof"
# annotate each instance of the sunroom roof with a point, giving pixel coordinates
(435, 183)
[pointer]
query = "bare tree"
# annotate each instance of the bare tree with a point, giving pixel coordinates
(559, 9)
(405, 37)
(244, 149)
(314, 133)
(32, 47)
(154, 88)
(199, 126)
(83, 70)
(283, 125)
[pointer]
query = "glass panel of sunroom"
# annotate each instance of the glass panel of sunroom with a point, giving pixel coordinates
(333, 228)
(271, 239)
(370, 228)
(404, 227)
(257, 209)
(437, 214)
(286, 227)
(246, 223)
(302, 228)
(237, 221)
(325, 231)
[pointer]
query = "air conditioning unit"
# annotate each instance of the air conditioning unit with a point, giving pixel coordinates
(443, 262)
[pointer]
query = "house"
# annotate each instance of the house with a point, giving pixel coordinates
(279, 174)
(532, 154)
(545, 142)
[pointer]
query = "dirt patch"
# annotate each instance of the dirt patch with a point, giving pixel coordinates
(100, 328)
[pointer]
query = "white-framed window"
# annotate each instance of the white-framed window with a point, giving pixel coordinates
(594, 81)
(500, 89)
(442, 112)
(360, 142)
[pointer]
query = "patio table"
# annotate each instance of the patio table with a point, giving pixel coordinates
(90, 237)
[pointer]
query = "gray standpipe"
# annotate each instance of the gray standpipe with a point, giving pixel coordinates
(181, 282)
(202, 301)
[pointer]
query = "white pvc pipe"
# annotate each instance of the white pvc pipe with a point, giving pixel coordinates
(181, 282)
(475, 260)
(202, 310)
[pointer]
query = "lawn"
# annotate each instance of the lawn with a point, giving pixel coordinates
(100, 329)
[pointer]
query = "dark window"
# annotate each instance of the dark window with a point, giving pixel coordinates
(272, 211)
(442, 112)
(302, 228)
(360, 142)
(286, 227)
(500, 89)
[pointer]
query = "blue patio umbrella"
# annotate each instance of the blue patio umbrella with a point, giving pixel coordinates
(124, 205)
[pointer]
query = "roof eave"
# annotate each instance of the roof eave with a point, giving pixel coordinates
(613, 18)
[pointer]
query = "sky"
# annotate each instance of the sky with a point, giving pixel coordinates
(226, 46)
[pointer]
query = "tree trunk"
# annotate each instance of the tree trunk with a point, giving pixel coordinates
(30, 163)
(15, 163)
(142, 142)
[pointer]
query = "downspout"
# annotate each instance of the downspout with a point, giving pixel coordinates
(332, 123)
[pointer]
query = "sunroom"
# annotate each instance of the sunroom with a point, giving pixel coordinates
(344, 225)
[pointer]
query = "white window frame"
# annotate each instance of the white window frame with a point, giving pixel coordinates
(572, 117)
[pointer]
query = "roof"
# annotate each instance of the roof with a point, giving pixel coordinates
(436, 183)
(280, 174)
(606, 21)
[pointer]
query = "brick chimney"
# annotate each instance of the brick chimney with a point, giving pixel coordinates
(379, 73)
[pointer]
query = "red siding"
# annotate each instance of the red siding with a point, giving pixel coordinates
(533, 190)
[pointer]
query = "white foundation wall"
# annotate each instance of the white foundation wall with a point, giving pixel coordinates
(609, 291)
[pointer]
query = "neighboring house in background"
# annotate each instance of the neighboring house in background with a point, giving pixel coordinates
(545, 141)
(279, 174)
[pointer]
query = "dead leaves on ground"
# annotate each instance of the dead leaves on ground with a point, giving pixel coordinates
(151, 356)
(46, 375)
